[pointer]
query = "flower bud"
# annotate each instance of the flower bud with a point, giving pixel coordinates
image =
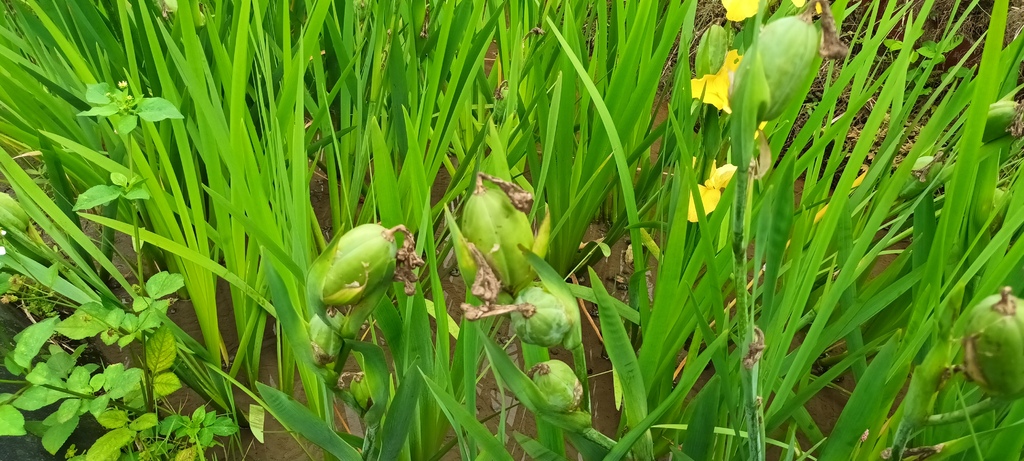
(711, 51)
(12, 216)
(994, 345)
(548, 320)
(324, 340)
(1000, 197)
(360, 390)
(500, 230)
(1001, 116)
(559, 385)
(926, 169)
(354, 264)
(779, 63)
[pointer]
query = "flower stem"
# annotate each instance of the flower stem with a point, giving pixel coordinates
(965, 413)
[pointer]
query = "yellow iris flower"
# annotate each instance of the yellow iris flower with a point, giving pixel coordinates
(714, 88)
(711, 190)
(738, 10)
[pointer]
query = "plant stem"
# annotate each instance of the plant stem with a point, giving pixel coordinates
(965, 413)
(597, 437)
(921, 396)
(745, 324)
(579, 358)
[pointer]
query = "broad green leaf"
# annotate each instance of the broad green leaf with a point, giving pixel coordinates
(81, 325)
(98, 405)
(157, 109)
(41, 374)
(113, 419)
(37, 397)
(108, 447)
(122, 382)
(161, 350)
(97, 93)
(105, 110)
(68, 409)
(79, 381)
(256, 420)
(31, 339)
(297, 419)
(96, 196)
(60, 362)
(163, 284)
(57, 435)
(137, 192)
(119, 179)
(11, 421)
(127, 123)
(223, 427)
(143, 422)
(165, 384)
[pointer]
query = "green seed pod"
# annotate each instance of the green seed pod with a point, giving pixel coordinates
(12, 216)
(784, 58)
(994, 345)
(498, 229)
(1000, 199)
(360, 390)
(558, 384)
(1001, 115)
(926, 169)
(711, 51)
(551, 320)
(354, 264)
(324, 340)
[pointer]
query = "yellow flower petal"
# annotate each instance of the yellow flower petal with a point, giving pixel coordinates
(712, 89)
(738, 10)
(709, 198)
(732, 60)
(720, 177)
(759, 128)
(820, 214)
(801, 3)
(860, 179)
